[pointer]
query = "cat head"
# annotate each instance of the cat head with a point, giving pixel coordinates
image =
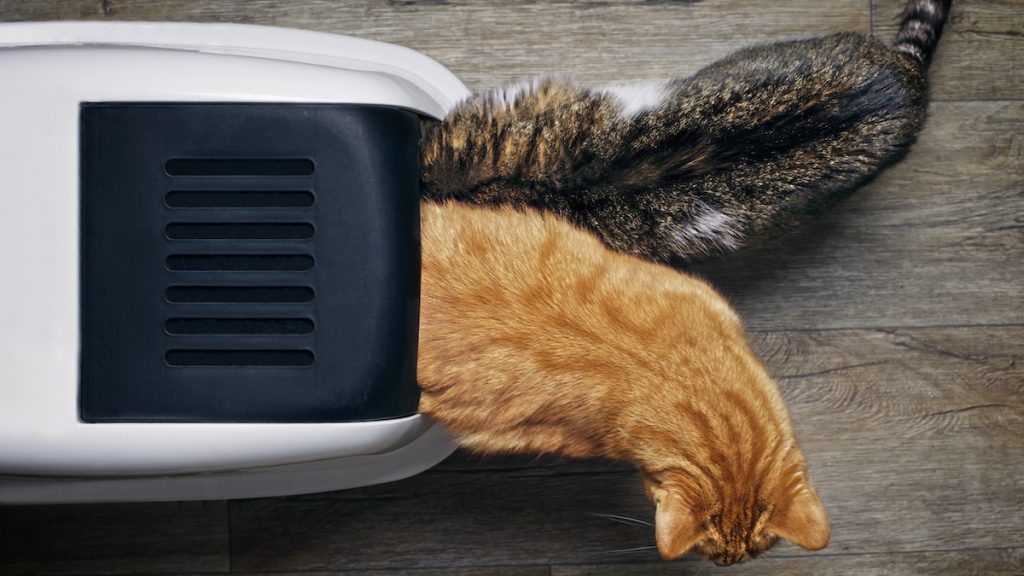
(715, 447)
(732, 528)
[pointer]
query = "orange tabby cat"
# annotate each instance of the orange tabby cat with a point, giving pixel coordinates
(536, 338)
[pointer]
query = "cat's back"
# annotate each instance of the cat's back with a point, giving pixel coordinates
(849, 54)
(542, 266)
(791, 93)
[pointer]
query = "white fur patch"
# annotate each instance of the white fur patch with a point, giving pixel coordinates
(507, 96)
(709, 229)
(636, 98)
(930, 7)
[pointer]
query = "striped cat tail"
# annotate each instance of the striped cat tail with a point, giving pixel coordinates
(921, 28)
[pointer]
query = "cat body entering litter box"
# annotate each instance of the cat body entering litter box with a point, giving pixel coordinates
(555, 333)
(676, 172)
(536, 338)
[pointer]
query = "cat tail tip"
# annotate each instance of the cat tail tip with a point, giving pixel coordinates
(921, 28)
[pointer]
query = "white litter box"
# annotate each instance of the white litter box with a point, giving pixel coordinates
(211, 255)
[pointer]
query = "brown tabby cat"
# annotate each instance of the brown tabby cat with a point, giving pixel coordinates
(536, 338)
(678, 171)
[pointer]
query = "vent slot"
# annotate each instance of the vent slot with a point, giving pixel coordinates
(239, 167)
(240, 262)
(240, 199)
(239, 358)
(248, 231)
(192, 326)
(240, 294)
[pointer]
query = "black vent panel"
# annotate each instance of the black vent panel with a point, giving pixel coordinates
(294, 214)
(248, 262)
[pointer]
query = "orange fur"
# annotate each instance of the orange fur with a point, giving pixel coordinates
(536, 338)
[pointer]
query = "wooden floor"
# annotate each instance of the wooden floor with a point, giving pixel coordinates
(895, 326)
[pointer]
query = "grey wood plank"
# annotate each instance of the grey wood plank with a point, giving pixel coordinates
(973, 562)
(607, 41)
(492, 43)
(912, 436)
(114, 539)
(909, 433)
(981, 50)
(935, 240)
(475, 571)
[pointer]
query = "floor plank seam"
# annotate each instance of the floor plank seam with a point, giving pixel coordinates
(871, 16)
(886, 329)
(231, 548)
(968, 100)
(809, 557)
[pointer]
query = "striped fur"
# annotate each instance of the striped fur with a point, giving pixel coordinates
(921, 28)
(762, 139)
(536, 338)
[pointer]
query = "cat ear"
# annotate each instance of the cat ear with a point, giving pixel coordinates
(803, 522)
(676, 527)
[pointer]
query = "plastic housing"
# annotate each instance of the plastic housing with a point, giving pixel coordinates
(47, 453)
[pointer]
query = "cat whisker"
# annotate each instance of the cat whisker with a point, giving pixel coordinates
(627, 550)
(629, 521)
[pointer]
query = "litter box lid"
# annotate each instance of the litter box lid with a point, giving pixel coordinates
(51, 72)
(391, 74)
